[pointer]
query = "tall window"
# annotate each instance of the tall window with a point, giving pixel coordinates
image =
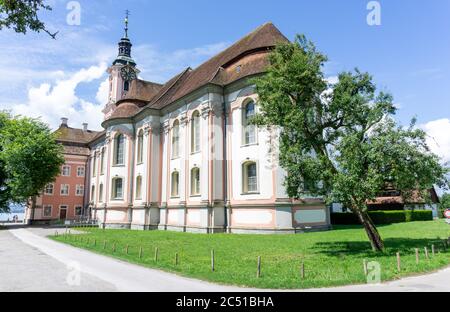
(65, 171)
(94, 166)
(78, 211)
(80, 190)
(93, 193)
(250, 178)
(176, 139)
(117, 191)
(48, 211)
(195, 132)
(195, 182)
(140, 147)
(49, 189)
(126, 86)
(102, 161)
(139, 188)
(249, 129)
(100, 193)
(175, 184)
(65, 189)
(119, 150)
(81, 172)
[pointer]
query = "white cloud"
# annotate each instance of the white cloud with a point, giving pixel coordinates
(51, 101)
(439, 137)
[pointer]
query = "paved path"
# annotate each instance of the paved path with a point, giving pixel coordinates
(55, 261)
(31, 262)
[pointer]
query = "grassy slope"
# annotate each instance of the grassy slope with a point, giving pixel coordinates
(331, 258)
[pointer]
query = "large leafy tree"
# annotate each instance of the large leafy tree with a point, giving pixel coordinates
(340, 140)
(30, 158)
(22, 15)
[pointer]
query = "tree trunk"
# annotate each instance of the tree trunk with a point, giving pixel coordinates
(374, 236)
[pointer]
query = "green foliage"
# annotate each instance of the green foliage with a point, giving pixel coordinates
(340, 141)
(384, 217)
(331, 258)
(22, 15)
(30, 158)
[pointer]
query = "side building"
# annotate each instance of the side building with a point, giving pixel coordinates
(66, 199)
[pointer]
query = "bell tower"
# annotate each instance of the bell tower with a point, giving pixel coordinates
(122, 72)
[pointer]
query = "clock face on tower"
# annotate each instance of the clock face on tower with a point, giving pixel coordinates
(128, 73)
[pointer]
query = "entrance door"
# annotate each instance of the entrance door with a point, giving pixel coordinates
(63, 213)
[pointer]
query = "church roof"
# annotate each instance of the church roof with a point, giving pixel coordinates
(215, 70)
(245, 58)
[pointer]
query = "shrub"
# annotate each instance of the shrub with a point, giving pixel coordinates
(383, 217)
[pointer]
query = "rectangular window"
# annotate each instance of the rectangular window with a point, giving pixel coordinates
(65, 189)
(195, 182)
(118, 189)
(78, 211)
(49, 189)
(81, 171)
(48, 211)
(65, 171)
(80, 190)
(100, 194)
(102, 162)
(139, 188)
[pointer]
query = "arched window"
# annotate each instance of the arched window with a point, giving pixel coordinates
(140, 147)
(249, 129)
(176, 139)
(175, 184)
(100, 193)
(195, 182)
(102, 161)
(126, 86)
(119, 150)
(195, 132)
(250, 177)
(139, 188)
(117, 188)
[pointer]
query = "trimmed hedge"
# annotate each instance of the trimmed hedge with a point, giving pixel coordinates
(383, 217)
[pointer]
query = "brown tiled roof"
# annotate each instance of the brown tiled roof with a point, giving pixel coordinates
(218, 69)
(124, 110)
(66, 134)
(142, 91)
(249, 54)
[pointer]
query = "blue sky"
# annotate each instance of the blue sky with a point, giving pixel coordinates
(408, 54)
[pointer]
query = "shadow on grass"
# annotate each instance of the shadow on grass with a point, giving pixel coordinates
(363, 249)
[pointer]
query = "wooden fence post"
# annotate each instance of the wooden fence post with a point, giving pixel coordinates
(426, 253)
(126, 249)
(258, 273)
(366, 270)
(114, 247)
(417, 256)
(302, 270)
(156, 254)
(176, 258)
(433, 250)
(140, 252)
(104, 245)
(399, 263)
(212, 260)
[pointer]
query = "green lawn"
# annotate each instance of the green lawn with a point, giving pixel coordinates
(330, 258)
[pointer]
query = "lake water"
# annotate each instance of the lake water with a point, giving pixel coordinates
(5, 216)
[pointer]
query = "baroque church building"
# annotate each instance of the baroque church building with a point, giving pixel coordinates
(182, 156)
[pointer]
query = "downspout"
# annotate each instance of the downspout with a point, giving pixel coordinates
(225, 161)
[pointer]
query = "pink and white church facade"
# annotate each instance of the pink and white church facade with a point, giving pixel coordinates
(181, 155)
